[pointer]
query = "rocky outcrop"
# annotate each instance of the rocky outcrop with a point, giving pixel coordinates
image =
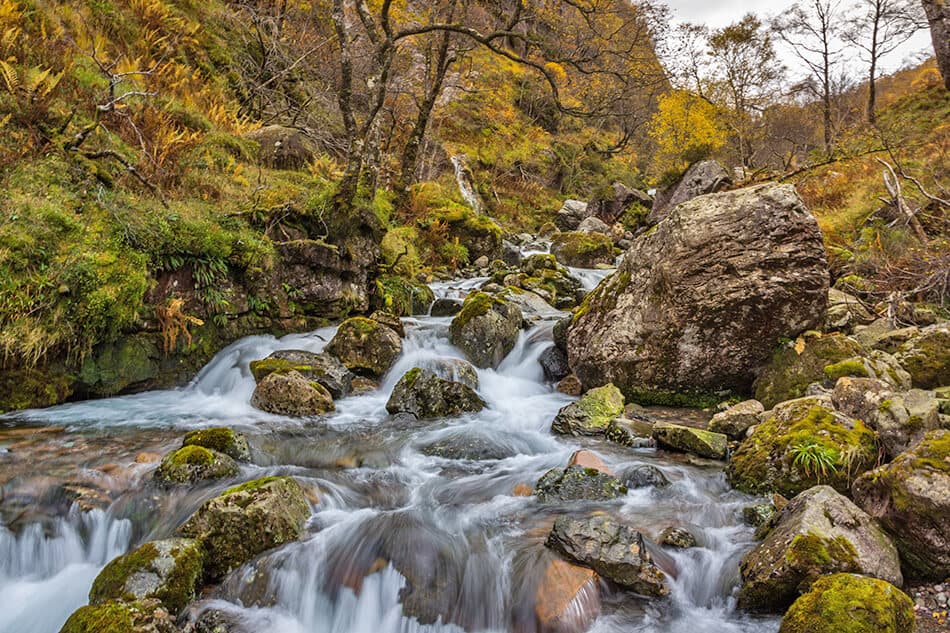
(591, 414)
(611, 205)
(910, 497)
(926, 357)
(570, 216)
(689, 440)
(704, 177)
(614, 550)
(486, 329)
(366, 347)
(321, 368)
(583, 250)
(247, 520)
(291, 394)
(423, 394)
(852, 603)
(697, 305)
(191, 464)
(454, 369)
(819, 532)
(221, 439)
(737, 419)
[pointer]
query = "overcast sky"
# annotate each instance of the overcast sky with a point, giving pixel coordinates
(717, 13)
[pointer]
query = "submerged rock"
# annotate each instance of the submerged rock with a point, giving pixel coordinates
(221, 439)
(247, 520)
(366, 347)
(486, 329)
(690, 440)
(426, 396)
(819, 532)
(291, 394)
(321, 368)
(577, 483)
(851, 603)
(567, 599)
(612, 549)
(191, 464)
(583, 250)
(591, 414)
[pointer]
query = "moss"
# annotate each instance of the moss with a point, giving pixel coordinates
(811, 551)
(789, 373)
(251, 486)
(403, 297)
(848, 603)
(193, 463)
(110, 583)
(194, 455)
(668, 398)
(885, 406)
(411, 376)
(933, 452)
(111, 617)
(850, 367)
(476, 304)
(602, 404)
(582, 249)
(220, 439)
(260, 369)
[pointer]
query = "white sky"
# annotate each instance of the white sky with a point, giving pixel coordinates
(718, 13)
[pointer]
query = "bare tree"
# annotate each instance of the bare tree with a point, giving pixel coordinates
(938, 15)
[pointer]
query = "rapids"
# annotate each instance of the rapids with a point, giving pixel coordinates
(477, 548)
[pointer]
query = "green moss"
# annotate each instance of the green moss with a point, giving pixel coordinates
(848, 603)
(582, 249)
(195, 455)
(885, 406)
(400, 252)
(789, 373)
(192, 463)
(411, 376)
(403, 297)
(220, 439)
(811, 551)
(601, 405)
(668, 398)
(260, 369)
(476, 304)
(361, 326)
(251, 486)
(111, 617)
(933, 452)
(850, 367)
(110, 583)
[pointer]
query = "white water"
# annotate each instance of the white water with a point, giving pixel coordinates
(461, 513)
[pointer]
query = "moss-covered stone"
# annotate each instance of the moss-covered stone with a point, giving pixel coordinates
(292, 394)
(690, 440)
(583, 250)
(322, 368)
(577, 483)
(193, 463)
(169, 571)
(926, 357)
(849, 603)
(592, 414)
(365, 346)
(402, 296)
(423, 394)
(221, 439)
(146, 616)
(850, 367)
(789, 373)
(486, 328)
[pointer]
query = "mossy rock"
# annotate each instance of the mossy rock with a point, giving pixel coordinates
(113, 367)
(583, 250)
(481, 236)
(803, 444)
(168, 570)
(926, 357)
(34, 388)
(402, 296)
(486, 328)
(247, 520)
(577, 483)
(192, 463)
(221, 439)
(292, 394)
(426, 396)
(689, 440)
(590, 415)
(366, 347)
(789, 373)
(322, 368)
(849, 603)
(147, 616)
(399, 251)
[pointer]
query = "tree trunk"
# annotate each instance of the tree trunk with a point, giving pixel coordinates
(938, 15)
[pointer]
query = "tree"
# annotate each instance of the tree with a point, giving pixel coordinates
(686, 128)
(879, 27)
(938, 16)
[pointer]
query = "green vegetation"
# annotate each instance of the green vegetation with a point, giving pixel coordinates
(849, 603)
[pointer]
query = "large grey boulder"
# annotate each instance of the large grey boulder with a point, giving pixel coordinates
(423, 394)
(322, 368)
(486, 329)
(819, 532)
(708, 176)
(291, 394)
(570, 216)
(698, 305)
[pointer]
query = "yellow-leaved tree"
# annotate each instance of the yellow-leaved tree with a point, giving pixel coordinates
(686, 128)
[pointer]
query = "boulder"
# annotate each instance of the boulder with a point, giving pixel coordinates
(445, 307)
(875, 364)
(697, 304)
(247, 520)
(614, 550)
(633, 433)
(191, 464)
(583, 250)
(576, 483)
(591, 414)
(145, 616)
(567, 599)
(426, 396)
(365, 346)
(393, 321)
(554, 364)
(611, 205)
(803, 443)
(758, 514)
(900, 418)
(570, 386)
(283, 147)
(510, 254)
(926, 357)
(400, 296)
(819, 532)
(845, 311)
(291, 394)
(572, 213)
(322, 368)
(534, 307)
(735, 421)
(643, 476)
(486, 329)
(910, 498)
(702, 178)
(677, 537)
(454, 369)
(169, 571)
(883, 335)
(689, 440)
(588, 459)
(221, 439)
(593, 225)
(851, 603)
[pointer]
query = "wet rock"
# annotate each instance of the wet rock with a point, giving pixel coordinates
(554, 363)
(567, 599)
(591, 414)
(426, 396)
(612, 549)
(393, 322)
(541, 273)
(365, 347)
(677, 537)
(559, 332)
(757, 515)
(445, 307)
(690, 440)
(900, 418)
(926, 357)
(576, 483)
(696, 305)
(803, 443)
(735, 421)
(572, 213)
(468, 446)
(169, 571)
(701, 178)
(643, 476)
(486, 329)
(582, 250)
(570, 386)
(147, 616)
(534, 307)
(587, 459)
(203, 617)
(510, 254)
(221, 439)
(819, 532)
(845, 311)
(632, 433)
(454, 369)
(593, 225)
(192, 464)
(910, 498)
(852, 603)
(247, 520)
(291, 394)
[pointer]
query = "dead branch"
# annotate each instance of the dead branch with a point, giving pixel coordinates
(893, 185)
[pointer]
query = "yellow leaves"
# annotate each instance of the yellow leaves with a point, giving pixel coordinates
(32, 84)
(800, 345)
(686, 128)
(556, 72)
(175, 323)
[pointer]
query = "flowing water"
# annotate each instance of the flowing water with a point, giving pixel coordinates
(383, 500)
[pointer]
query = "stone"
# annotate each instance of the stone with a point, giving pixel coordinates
(576, 483)
(643, 476)
(587, 459)
(591, 414)
(819, 532)
(612, 549)
(147, 616)
(926, 357)
(845, 311)
(758, 515)
(803, 443)
(426, 396)
(567, 599)
(677, 537)
(613, 204)
(510, 254)
(850, 603)
(481, 262)
(283, 147)
(883, 335)
(593, 225)
(469, 446)
(221, 439)
(559, 332)
(365, 347)
(900, 418)
(570, 386)
(697, 305)
(735, 421)
(454, 369)
(191, 464)
(633, 433)
(572, 213)
(486, 329)
(689, 440)
(246, 520)
(445, 307)
(169, 571)
(704, 177)
(554, 364)
(291, 394)
(394, 322)
(910, 498)
(582, 250)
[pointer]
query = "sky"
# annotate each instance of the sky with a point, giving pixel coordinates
(718, 13)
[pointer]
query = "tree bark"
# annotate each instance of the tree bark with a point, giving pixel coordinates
(938, 15)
